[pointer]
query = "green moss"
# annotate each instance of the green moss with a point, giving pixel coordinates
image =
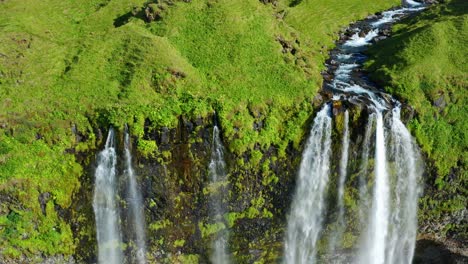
(179, 243)
(104, 67)
(209, 229)
(188, 259)
(159, 225)
(147, 148)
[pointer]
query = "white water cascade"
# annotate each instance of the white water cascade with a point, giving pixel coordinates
(379, 215)
(387, 175)
(363, 171)
(340, 223)
(135, 205)
(306, 217)
(218, 178)
(406, 159)
(104, 204)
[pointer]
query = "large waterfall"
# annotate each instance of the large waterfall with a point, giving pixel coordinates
(104, 204)
(382, 225)
(218, 178)
(135, 205)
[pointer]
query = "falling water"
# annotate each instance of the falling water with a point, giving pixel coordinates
(218, 177)
(135, 205)
(378, 227)
(306, 217)
(337, 236)
(104, 204)
(388, 208)
(363, 192)
(405, 158)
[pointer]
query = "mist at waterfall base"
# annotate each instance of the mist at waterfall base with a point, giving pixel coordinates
(106, 206)
(382, 225)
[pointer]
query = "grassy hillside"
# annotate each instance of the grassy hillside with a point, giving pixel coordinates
(428, 70)
(69, 67)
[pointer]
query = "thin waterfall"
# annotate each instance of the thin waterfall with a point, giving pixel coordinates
(104, 204)
(306, 216)
(336, 237)
(363, 191)
(135, 205)
(218, 177)
(379, 215)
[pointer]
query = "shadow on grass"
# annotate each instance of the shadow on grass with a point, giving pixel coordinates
(125, 18)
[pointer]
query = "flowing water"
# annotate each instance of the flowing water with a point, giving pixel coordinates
(135, 206)
(363, 171)
(378, 220)
(306, 217)
(105, 205)
(337, 235)
(218, 178)
(388, 174)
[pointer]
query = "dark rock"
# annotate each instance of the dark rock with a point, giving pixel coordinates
(440, 102)
(287, 45)
(165, 136)
(434, 252)
(188, 126)
(317, 101)
(258, 125)
(43, 199)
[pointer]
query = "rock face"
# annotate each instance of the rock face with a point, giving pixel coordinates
(174, 184)
(431, 252)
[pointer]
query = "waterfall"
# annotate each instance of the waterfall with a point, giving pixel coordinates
(306, 216)
(363, 192)
(378, 226)
(391, 236)
(135, 205)
(386, 212)
(218, 177)
(104, 204)
(408, 170)
(337, 236)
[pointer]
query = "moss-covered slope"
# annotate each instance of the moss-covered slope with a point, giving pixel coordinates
(70, 68)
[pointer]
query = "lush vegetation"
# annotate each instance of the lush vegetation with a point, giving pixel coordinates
(68, 68)
(428, 70)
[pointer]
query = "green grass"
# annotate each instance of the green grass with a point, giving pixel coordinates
(427, 67)
(65, 63)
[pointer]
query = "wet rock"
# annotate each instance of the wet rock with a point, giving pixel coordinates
(165, 136)
(258, 125)
(199, 121)
(43, 199)
(317, 101)
(188, 126)
(327, 76)
(379, 38)
(337, 107)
